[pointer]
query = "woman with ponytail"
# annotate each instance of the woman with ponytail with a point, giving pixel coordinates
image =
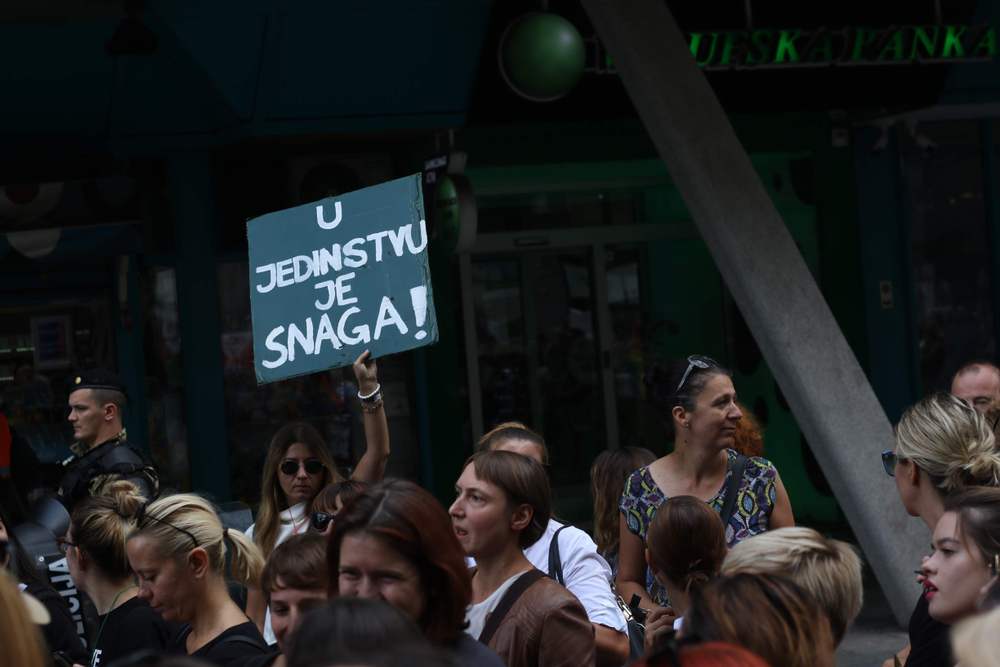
(943, 446)
(178, 551)
(684, 549)
(97, 562)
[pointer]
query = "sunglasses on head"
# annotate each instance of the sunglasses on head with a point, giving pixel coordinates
(312, 466)
(889, 461)
(318, 521)
(694, 361)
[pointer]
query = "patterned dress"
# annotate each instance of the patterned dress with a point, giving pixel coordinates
(751, 514)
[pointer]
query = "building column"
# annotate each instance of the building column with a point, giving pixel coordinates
(756, 255)
(192, 199)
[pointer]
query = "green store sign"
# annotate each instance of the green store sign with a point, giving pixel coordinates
(742, 49)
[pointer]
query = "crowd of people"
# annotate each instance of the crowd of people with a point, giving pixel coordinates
(694, 558)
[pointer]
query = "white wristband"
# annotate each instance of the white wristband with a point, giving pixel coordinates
(378, 388)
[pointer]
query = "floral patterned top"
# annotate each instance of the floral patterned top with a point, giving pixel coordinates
(751, 514)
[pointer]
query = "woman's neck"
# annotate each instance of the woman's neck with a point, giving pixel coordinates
(214, 614)
(931, 507)
(496, 568)
(679, 600)
(103, 593)
(698, 462)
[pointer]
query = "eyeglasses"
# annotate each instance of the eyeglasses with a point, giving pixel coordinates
(994, 566)
(320, 520)
(694, 361)
(312, 466)
(889, 461)
(140, 515)
(63, 544)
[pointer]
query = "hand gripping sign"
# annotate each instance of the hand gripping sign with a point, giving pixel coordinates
(330, 279)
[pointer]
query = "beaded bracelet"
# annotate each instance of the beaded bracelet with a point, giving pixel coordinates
(372, 407)
(371, 396)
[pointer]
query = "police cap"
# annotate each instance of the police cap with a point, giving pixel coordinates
(95, 379)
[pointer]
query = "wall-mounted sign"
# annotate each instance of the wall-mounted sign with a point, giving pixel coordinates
(336, 277)
(52, 338)
(766, 49)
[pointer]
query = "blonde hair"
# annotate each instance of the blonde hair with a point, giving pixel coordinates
(20, 639)
(501, 433)
(272, 498)
(975, 640)
(828, 569)
(101, 525)
(947, 438)
(168, 521)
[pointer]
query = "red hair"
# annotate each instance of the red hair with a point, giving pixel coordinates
(410, 520)
(747, 438)
(711, 654)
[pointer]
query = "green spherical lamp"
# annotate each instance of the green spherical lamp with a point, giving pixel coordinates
(542, 56)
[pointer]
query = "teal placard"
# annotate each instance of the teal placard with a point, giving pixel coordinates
(333, 278)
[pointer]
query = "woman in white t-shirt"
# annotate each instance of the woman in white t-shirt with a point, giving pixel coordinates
(299, 466)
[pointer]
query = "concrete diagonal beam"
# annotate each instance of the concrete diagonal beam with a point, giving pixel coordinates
(804, 347)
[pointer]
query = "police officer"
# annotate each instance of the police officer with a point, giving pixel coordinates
(102, 454)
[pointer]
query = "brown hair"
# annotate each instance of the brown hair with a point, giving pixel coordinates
(21, 641)
(608, 475)
(347, 490)
(299, 563)
(687, 541)
(101, 525)
(830, 570)
(978, 511)
(747, 439)
(513, 431)
(410, 520)
(523, 482)
(767, 614)
(272, 498)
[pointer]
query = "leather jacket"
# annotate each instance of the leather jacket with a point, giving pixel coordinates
(546, 627)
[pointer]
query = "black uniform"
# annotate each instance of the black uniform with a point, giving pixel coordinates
(91, 471)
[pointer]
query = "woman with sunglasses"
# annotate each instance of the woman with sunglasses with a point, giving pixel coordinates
(966, 555)
(95, 556)
(299, 465)
(697, 401)
(943, 446)
(178, 552)
(330, 501)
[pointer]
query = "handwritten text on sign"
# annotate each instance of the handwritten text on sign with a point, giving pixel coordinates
(336, 277)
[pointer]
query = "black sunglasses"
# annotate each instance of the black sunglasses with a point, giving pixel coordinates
(889, 461)
(320, 520)
(312, 466)
(140, 515)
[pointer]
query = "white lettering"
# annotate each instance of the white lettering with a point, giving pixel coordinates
(59, 566)
(387, 314)
(63, 578)
(301, 260)
(398, 239)
(332, 286)
(325, 332)
(343, 289)
(351, 251)
(274, 346)
(329, 260)
(362, 333)
(285, 271)
(270, 286)
(295, 336)
(423, 240)
(377, 238)
(328, 225)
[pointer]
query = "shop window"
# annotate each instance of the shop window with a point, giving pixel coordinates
(951, 251)
(42, 346)
(168, 430)
(327, 400)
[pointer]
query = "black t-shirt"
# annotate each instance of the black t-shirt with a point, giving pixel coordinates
(928, 639)
(60, 634)
(233, 648)
(132, 627)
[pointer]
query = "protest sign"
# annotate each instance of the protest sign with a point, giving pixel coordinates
(333, 278)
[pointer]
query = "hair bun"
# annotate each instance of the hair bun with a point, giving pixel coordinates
(127, 497)
(983, 469)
